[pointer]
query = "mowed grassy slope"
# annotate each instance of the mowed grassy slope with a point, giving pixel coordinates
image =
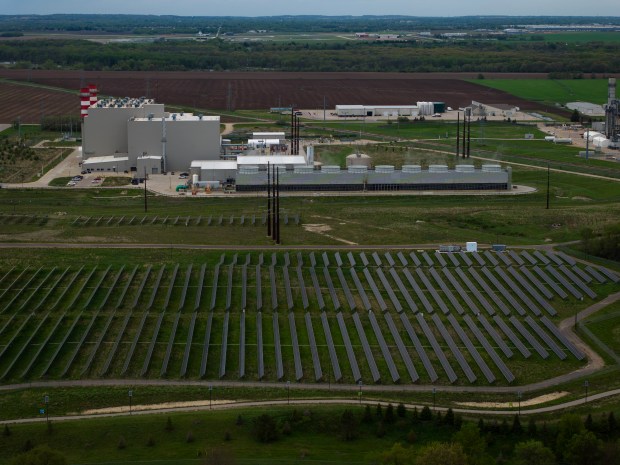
(552, 91)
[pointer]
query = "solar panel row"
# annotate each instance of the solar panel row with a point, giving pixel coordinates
(436, 348)
(385, 351)
(296, 355)
(355, 371)
(370, 359)
(330, 346)
(316, 362)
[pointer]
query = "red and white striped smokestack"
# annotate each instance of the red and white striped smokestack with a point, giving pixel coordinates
(84, 101)
(92, 88)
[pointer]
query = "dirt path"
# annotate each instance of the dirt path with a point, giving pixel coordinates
(228, 128)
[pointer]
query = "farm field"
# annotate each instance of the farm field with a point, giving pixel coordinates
(381, 318)
(262, 90)
(583, 37)
(552, 91)
(31, 103)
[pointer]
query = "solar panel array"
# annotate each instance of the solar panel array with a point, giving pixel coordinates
(471, 314)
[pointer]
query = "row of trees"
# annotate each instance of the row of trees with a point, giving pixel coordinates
(605, 244)
(150, 24)
(322, 56)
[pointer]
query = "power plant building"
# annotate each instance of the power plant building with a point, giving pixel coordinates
(137, 134)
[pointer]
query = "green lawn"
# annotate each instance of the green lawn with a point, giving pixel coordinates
(552, 91)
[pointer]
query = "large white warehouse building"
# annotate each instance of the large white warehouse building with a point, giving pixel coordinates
(137, 134)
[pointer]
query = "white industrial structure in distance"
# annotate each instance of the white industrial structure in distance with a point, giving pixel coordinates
(132, 134)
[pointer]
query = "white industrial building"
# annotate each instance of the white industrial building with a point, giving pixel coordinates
(137, 135)
(419, 109)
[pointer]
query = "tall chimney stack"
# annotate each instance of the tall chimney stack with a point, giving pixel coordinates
(611, 94)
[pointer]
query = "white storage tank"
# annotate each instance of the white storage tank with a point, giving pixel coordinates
(549, 138)
(330, 169)
(438, 168)
(471, 246)
(248, 169)
(358, 169)
(195, 179)
(563, 140)
(491, 168)
(411, 169)
(303, 169)
(384, 169)
(358, 159)
(465, 168)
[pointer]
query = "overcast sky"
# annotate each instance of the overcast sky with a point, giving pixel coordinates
(322, 7)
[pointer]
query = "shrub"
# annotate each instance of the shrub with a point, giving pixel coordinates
(169, 425)
(227, 436)
(122, 444)
(401, 411)
(411, 437)
(265, 428)
(189, 438)
(7, 431)
(150, 442)
(426, 414)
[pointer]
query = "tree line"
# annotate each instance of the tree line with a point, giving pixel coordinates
(358, 56)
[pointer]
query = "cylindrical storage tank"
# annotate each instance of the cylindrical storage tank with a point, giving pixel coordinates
(411, 168)
(357, 169)
(195, 179)
(330, 169)
(248, 169)
(384, 169)
(437, 168)
(491, 168)
(465, 168)
(303, 169)
(358, 159)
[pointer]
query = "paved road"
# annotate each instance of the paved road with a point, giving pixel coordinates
(297, 402)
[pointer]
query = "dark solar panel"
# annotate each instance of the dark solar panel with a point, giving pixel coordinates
(414, 285)
(216, 277)
(554, 258)
(345, 287)
(231, 269)
(316, 362)
(567, 258)
(545, 337)
(389, 259)
(370, 359)
(173, 332)
(351, 258)
(491, 258)
(431, 289)
(598, 276)
(454, 349)
(402, 259)
(375, 257)
(529, 338)
(542, 302)
(499, 363)
(302, 288)
(325, 259)
(436, 348)
(495, 336)
(375, 289)
(403, 290)
(563, 339)
(244, 286)
(517, 290)
(541, 257)
(413, 374)
(452, 257)
(428, 366)
(312, 260)
(332, 291)
(503, 258)
(415, 259)
(360, 289)
(277, 346)
(569, 287)
(242, 344)
(487, 290)
(502, 290)
(200, 287)
(512, 336)
(385, 351)
(609, 274)
(205, 346)
(459, 289)
(528, 257)
(355, 371)
(582, 274)
(466, 259)
(427, 259)
(364, 260)
(539, 285)
(515, 256)
(440, 259)
(317, 289)
(338, 259)
(478, 258)
(447, 292)
(388, 288)
(486, 371)
(287, 288)
(550, 282)
(259, 345)
(259, 289)
(580, 284)
(299, 373)
(224, 345)
(330, 346)
(273, 287)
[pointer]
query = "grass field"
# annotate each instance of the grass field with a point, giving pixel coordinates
(583, 37)
(552, 91)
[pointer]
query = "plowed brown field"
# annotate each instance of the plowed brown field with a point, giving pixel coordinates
(30, 104)
(264, 90)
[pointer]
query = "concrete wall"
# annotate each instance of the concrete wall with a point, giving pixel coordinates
(191, 140)
(144, 138)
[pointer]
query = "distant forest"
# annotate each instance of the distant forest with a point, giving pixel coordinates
(357, 56)
(150, 24)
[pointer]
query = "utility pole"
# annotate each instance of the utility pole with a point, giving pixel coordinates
(458, 133)
(324, 107)
(468, 132)
(464, 130)
(278, 209)
(268, 199)
(145, 205)
(548, 184)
